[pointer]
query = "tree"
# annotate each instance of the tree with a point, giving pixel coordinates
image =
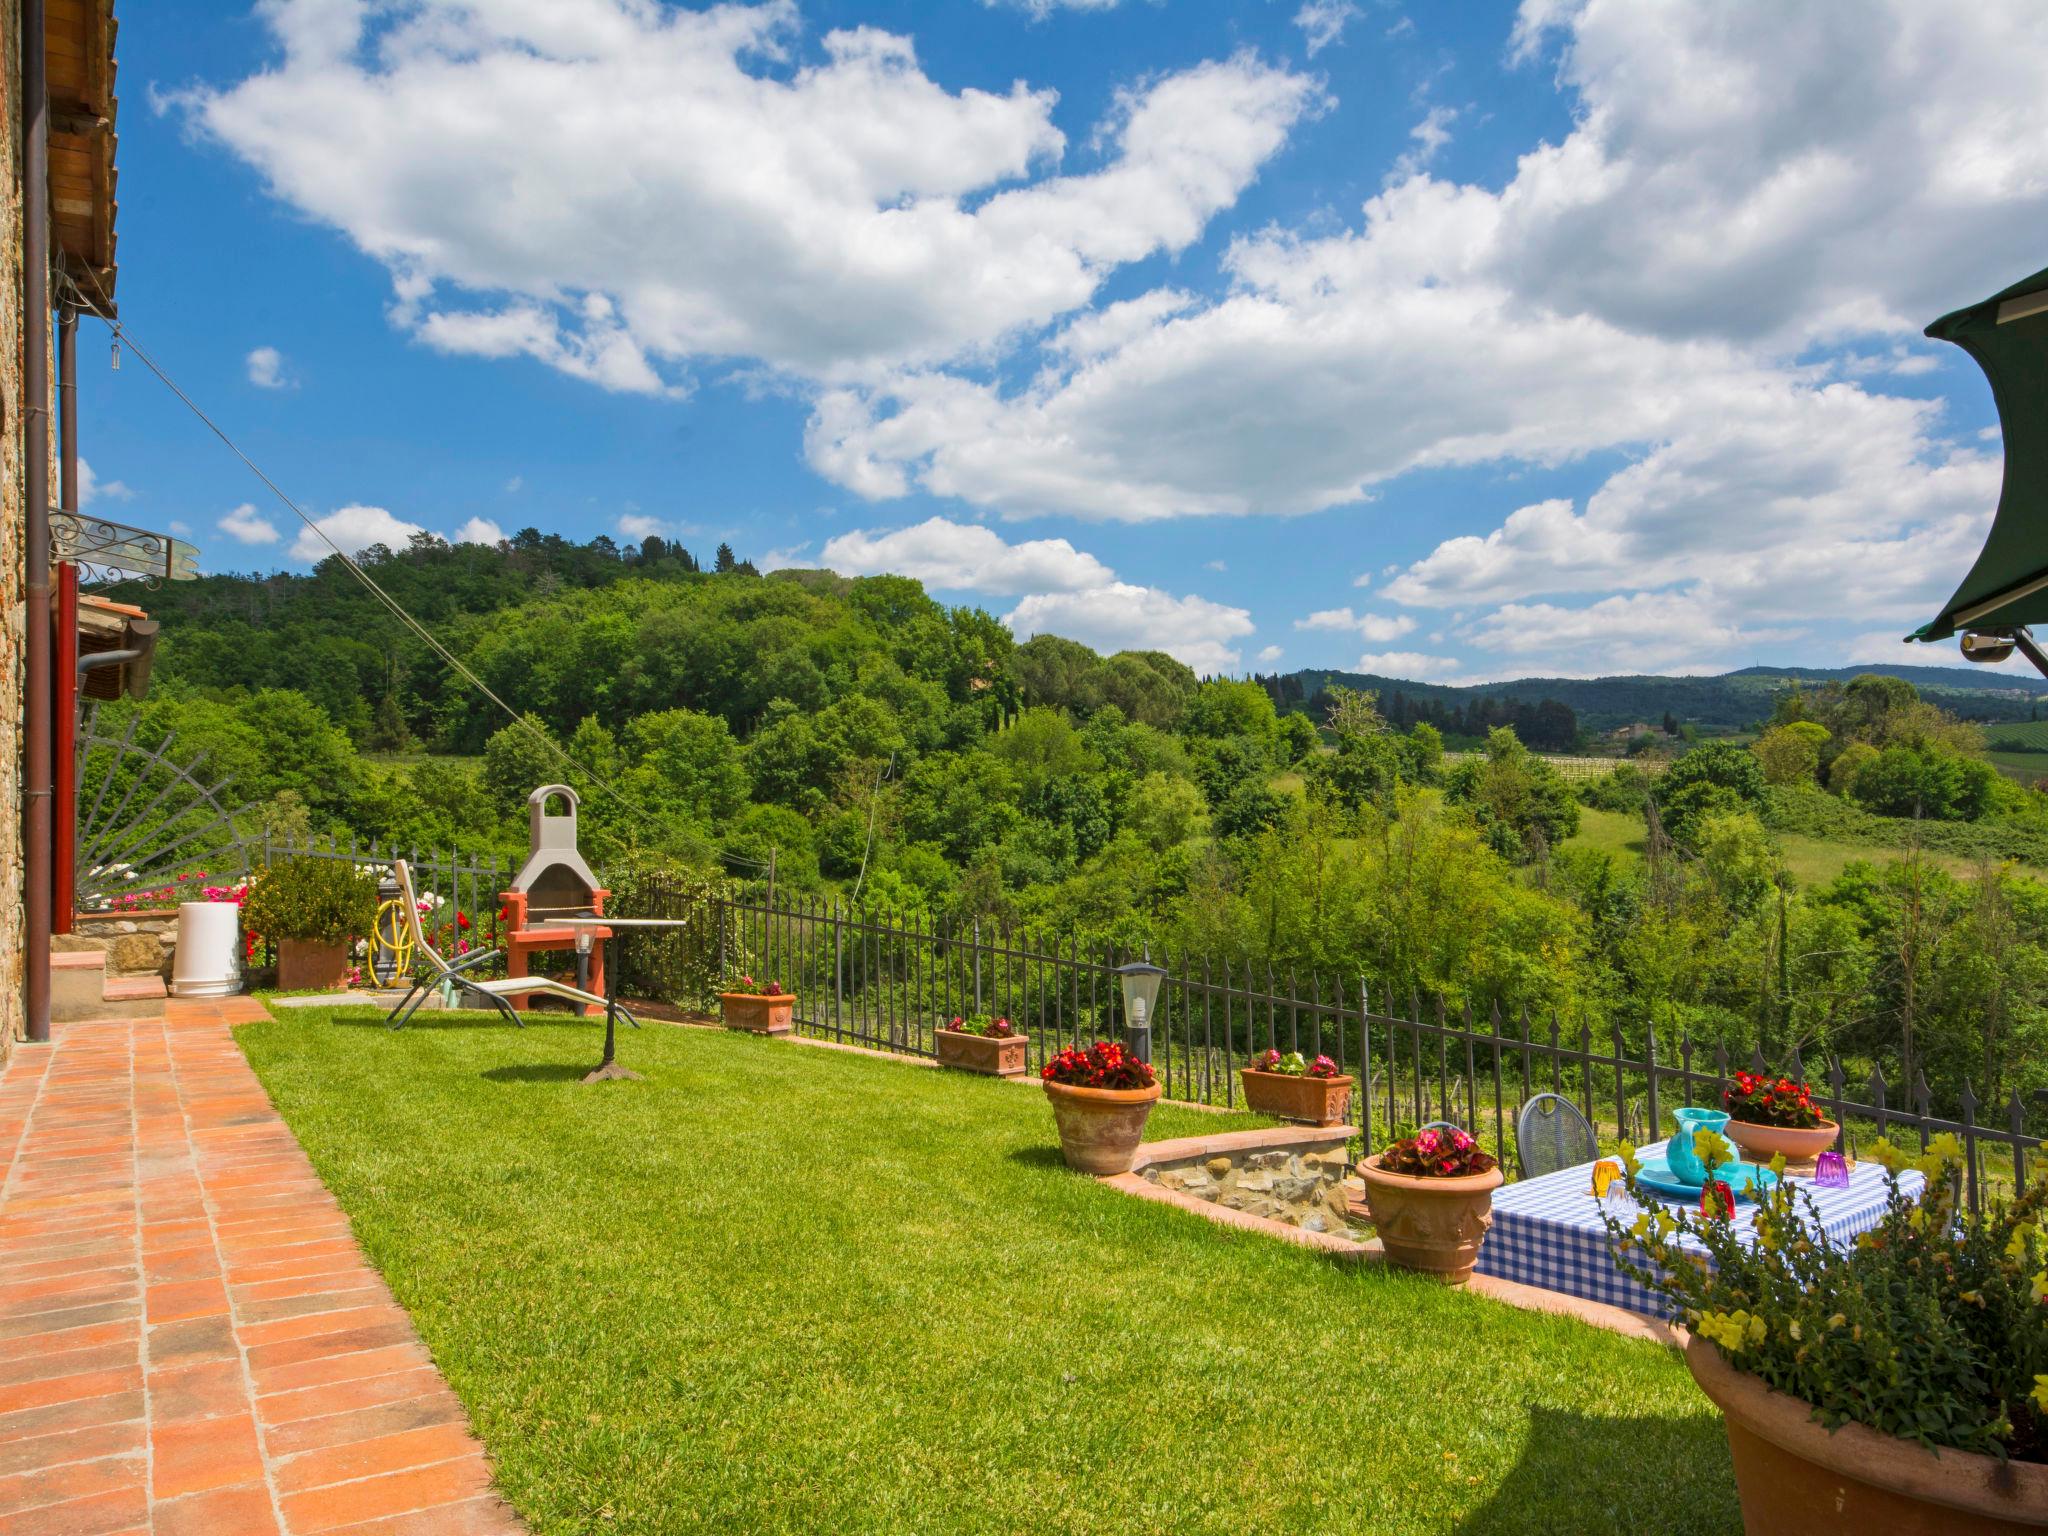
(1790, 754)
(1717, 777)
(724, 560)
(688, 763)
(388, 731)
(518, 760)
(1521, 804)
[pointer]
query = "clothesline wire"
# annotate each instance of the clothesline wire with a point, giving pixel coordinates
(122, 334)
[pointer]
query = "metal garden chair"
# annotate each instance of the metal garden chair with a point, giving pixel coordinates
(439, 970)
(1550, 1134)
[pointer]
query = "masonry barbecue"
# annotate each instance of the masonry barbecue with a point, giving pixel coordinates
(554, 883)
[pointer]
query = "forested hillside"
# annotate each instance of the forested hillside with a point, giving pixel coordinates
(1730, 702)
(917, 759)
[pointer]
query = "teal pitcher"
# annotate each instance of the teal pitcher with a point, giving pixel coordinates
(1678, 1151)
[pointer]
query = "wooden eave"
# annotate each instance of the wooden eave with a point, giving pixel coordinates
(79, 38)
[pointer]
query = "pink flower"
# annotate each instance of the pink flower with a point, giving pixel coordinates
(1460, 1140)
(1427, 1142)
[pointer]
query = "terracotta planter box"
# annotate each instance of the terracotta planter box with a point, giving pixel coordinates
(1794, 1475)
(990, 1055)
(307, 965)
(757, 1012)
(1100, 1127)
(1760, 1143)
(1315, 1100)
(1433, 1226)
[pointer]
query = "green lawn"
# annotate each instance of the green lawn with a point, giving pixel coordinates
(775, 1289)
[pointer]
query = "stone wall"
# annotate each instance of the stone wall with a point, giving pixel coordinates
(12, 449)
(135, 943)
(1292, 1176)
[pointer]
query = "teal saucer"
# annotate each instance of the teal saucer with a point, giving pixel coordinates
(1745, 1179)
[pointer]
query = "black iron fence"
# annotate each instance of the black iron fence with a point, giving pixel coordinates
(889, 982)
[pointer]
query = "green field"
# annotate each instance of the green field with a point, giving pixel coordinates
(1812, 860)
(778, 1289)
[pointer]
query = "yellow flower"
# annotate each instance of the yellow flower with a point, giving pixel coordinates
(1629, 1160)
(1837, 1321)
(2040, 1393)
(1778, 1164)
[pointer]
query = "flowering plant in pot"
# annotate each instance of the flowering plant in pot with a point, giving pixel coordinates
(760, 1008)
(1769, 1116)
(977, 1043)
(312, 909)
(1294, 1088)
(1431, 1196)
(1895, 1382)
(1100, 1097)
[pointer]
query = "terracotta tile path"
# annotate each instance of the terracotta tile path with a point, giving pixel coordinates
(190, 1340)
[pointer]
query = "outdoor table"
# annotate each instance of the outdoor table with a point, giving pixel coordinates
(609, 1068)
(1548, 1232)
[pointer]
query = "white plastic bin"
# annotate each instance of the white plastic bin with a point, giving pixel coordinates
(208, 961)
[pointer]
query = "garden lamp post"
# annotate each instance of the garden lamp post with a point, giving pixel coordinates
(1140, 980)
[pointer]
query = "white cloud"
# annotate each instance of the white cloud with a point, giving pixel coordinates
(825, 207)
(788, 559)
(638, 525)
(354, 529)
(1215, 565)
(248, 526)
(1412, 665)
(91, 488)
(181, 529)
(514, 484)
(1323, 21)
(266, 368)
(1734, 198)
(1430, 136)
(1370, 626)
(478, 530)
(1270, 654)
(965, 557)
(1121, 616)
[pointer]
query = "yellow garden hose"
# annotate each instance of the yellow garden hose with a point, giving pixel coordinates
(391, 934)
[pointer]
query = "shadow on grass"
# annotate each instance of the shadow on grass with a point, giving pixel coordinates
(1568, 1479)
(538, 1072)
(1038, 1157)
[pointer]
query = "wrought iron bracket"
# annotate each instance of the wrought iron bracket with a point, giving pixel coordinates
(96, 542)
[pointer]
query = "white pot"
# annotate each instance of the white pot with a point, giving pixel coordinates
(208, 959)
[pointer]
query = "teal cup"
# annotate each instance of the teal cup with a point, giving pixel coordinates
(1679, 1153)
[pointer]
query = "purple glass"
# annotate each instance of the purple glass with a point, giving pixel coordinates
(1830, 1172)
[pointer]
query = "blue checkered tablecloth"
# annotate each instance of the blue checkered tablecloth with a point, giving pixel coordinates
(1547, 1231)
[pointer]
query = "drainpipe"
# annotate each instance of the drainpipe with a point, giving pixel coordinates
(64, 671)
(36, 766)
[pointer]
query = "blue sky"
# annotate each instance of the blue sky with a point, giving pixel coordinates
(1454, 342)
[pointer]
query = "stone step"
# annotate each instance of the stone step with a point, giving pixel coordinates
(80, 988)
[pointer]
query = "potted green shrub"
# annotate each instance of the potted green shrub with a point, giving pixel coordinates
(1431, 1197)
(1294, 1088)
(1895, 1383)
(759, 1008)
(313, 910)
(978, 1043)
(1101, 1098)
(1770, 1117)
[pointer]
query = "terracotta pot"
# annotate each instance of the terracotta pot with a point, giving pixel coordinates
(1794, 1475)
(1434, 1226)
(990, 1055)
(758, 1013)
(1760, 1143)
(1317, 1100)
(307, 965)
(1100, 1127)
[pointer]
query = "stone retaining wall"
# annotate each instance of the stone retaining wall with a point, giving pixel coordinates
(141, 943)
(1293, 1175)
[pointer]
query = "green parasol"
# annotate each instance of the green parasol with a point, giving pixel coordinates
(2007, 588)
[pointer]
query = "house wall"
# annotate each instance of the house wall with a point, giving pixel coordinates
(12, 447)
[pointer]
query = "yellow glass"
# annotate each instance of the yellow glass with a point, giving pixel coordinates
(1605, 1172)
